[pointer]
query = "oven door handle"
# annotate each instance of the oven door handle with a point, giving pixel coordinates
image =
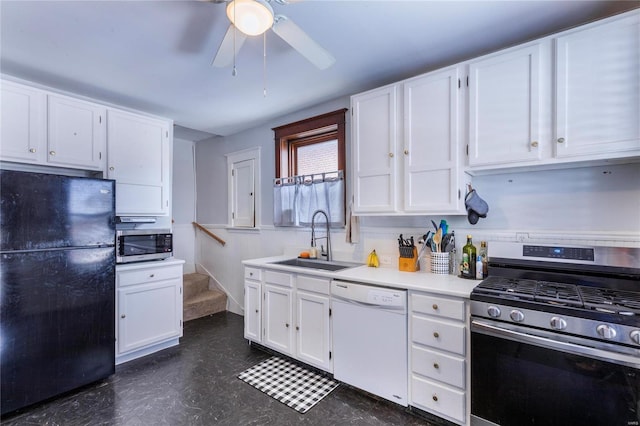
(484, 327)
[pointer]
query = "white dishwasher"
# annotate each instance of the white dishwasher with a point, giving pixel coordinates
(370, 338)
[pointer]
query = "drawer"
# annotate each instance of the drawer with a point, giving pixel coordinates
(252, 273)
(316, 285)
(278, 278)
(147, 275)
(438, 399)
(438, 366)
(438, 306)
(440, 335)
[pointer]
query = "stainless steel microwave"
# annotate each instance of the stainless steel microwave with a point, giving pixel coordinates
(139, 245)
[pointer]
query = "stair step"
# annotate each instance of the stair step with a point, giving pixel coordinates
(206, 303)
(194, 284)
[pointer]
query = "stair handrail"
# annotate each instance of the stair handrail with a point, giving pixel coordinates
(209, 233)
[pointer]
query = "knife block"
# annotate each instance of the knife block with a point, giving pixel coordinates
(408, 260)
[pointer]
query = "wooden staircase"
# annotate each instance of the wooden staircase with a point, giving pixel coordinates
(198, 299)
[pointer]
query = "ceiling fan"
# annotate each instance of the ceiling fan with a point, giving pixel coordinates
(255, 17)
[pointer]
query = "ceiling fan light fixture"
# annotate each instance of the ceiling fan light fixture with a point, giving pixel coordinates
(252, 17)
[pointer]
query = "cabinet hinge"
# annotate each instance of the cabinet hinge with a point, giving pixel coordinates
(459, 194)
(99, 156)
(166, 133)
(329, 311)
(467, 81)
(233, 172)
(458, 83)
(467, 150)
(329, 354)
(233, 215)
(100, 119)
(180, 323)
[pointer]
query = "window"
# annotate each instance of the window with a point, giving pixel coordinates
(314, 145)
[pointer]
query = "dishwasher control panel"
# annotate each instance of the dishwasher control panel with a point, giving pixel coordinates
(383, 297)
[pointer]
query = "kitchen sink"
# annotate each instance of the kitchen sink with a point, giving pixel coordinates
(317, 264)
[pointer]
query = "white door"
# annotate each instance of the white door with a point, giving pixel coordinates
(243, 194)
(139, 162)
(598, 89)
(252, 311)
(312, 319)
(149, 313)
(375, 129)
(76, 133)
(23, 118)
(431, 148)
(278, 318)
(504, 107)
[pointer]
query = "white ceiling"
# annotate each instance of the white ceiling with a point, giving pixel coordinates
(155, 56)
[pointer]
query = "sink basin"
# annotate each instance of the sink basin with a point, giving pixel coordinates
(317, 264)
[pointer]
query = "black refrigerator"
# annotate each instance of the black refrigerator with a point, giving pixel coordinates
(57, 294)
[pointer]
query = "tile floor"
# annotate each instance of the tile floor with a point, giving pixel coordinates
(196, 383)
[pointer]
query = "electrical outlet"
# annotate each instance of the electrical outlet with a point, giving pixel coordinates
(386, 260)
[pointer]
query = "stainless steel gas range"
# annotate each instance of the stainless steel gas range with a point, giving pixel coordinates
(555, 337)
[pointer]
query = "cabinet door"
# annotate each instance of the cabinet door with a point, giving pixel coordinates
(374, 150)
(278, 318)
(76, 133)
(24, 120)
(313, 343)
(598, 89)
(149, 314)
(252, 311)
(504, 107)
(431, 148)
(138, 151)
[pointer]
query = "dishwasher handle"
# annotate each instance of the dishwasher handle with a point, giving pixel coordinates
(369, 296)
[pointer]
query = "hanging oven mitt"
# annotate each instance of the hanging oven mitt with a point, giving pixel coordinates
(476, 206)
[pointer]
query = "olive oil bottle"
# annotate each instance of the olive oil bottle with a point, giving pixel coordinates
(469, 259)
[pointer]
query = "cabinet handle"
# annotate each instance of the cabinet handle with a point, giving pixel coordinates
(52, 153)
(435, 397)
(436, 366)
(256, 311)
(32, 150)
(436, 334)
(534, 144)
(250, 274)
(560, 140)
(391, 155)
(152, 275)
(287, 324)
(123, 316)
(297, 328)
(112, 168)
(406, 152)
(435, 307)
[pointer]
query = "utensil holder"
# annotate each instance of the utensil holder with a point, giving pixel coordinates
(440, 263)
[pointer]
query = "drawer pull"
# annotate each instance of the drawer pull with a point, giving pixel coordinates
(435, 397)
(152, 275)
(250, 274)
(287, 325)
(436, 334)
(435, 307)
(123, 316)
(436, 365)
(256, 311)
(32, 150)
(297, 328)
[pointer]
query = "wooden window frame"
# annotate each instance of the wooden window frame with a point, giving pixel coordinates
(312, 130)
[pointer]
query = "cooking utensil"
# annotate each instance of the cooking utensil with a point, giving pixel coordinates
(437, 239)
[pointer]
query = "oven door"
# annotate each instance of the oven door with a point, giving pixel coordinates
(522, 379)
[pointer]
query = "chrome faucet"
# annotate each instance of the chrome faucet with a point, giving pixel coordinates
(328, 236)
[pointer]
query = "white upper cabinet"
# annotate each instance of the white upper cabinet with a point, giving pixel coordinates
(76, 133)
(504, 106)
(598, 89)
(23, 115)
(374, 138)
(431, 143)
(139, 161)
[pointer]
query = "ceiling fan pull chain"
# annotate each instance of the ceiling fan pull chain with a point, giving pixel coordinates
(264, 64)
(234, 72)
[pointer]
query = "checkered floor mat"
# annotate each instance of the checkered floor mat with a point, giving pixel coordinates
(289, 383)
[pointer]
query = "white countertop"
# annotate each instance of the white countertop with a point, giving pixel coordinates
(149, 264)
(389, 277)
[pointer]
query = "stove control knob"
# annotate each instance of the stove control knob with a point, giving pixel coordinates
(606, 331)
(517, 315)
(558, 323)
(635, 336)
(493, 311)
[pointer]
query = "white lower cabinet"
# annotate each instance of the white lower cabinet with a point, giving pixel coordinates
(148, 308)
(438, 356)
(293, 311)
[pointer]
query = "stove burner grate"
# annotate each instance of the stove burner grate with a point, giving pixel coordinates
(608, 300)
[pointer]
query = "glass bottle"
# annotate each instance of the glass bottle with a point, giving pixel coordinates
(469, 259)
(485, 264)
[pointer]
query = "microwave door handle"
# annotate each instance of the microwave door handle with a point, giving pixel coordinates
(577, 349)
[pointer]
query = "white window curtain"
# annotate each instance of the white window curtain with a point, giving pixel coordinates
(296, 198)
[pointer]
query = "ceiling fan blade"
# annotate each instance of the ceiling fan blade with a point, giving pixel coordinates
(224, 56)
(299, 40)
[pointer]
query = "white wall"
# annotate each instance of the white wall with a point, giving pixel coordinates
(184, 199)
(588, 205)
